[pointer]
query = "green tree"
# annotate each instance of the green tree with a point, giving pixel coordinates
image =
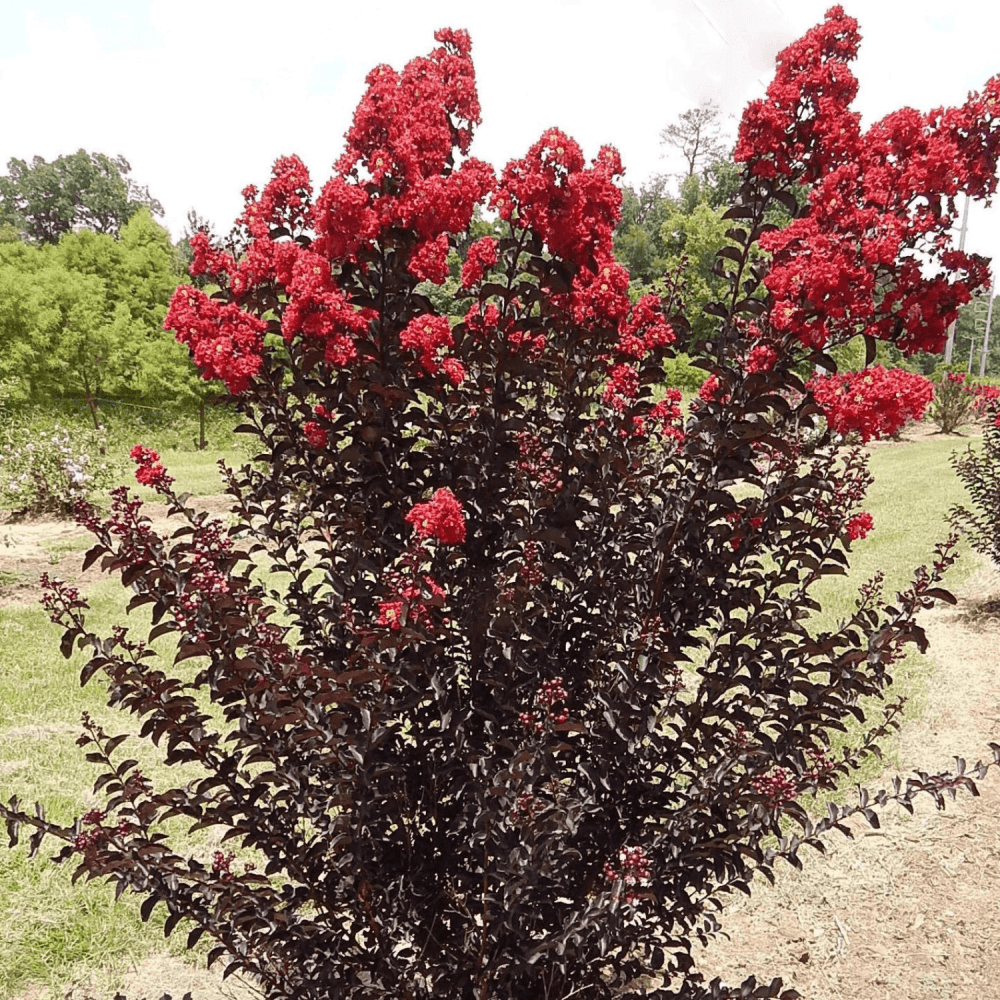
(45, 200)
(85, 317)
(638, 241)
(56, 334)
(694, 230)
(138, 271)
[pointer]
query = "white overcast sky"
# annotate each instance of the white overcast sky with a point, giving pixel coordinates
(201, 97)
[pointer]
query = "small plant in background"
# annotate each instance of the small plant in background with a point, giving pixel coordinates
(954, 396)
(984, 399)
(49, 471)
(979, 471)
(465, 731)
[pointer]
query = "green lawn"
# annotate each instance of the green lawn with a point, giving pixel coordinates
(56, 933)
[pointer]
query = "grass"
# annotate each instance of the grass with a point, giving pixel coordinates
(57, 934)
(913, 490)
(196, 472)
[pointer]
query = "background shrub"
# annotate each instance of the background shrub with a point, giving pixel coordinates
(46, 468)
(979, 471)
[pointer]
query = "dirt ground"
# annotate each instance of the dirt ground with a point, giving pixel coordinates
(906, 912)
(911, 910)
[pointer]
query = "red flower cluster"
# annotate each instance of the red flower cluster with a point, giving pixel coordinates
(632, 872)
(396, 172)
(761, 358)
(482, 255)
(645, 328)
(441, 518)
(859, 526)
(314, 434)
(226, 342)
(150, 472)
(875, 402)
(285, 202)
(396, 169)
(711, 390)
(622, 387)
(841, 270)
(572, 208)
(427, 335)
(664, 418)
(526, 808)
(985, 396)
(429, 261)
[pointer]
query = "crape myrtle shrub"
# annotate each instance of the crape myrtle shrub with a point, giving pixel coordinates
(979, 471)
(535, 688)
(875, 402)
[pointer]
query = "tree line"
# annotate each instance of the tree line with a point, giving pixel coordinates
(86, 273)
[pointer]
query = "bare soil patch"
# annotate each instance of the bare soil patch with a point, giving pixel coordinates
(159, 974)
(926, 430)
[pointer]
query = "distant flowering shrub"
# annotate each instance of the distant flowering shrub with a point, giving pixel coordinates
(48, 472)
(955, 396)
(538, 685)
(984, 398)
(874, 402)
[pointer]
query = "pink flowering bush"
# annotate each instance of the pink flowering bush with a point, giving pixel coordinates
(47, 470)
(464, 732)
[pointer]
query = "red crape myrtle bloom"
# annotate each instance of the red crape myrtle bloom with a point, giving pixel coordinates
(859, 526)
(150, 472)
(441, 518)
(875, 402)
(481, 257)
(314, 434)
(842, 269)
(985, 396)
(396, 174)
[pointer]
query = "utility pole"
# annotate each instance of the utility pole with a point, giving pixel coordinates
(950, 346)
(986, 332)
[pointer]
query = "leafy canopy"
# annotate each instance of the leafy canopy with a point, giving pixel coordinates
(44, 200)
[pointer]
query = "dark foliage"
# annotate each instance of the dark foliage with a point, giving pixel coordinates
(420, 833)
(979, 471)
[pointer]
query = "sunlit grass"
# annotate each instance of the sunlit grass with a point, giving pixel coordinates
(913, 490)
